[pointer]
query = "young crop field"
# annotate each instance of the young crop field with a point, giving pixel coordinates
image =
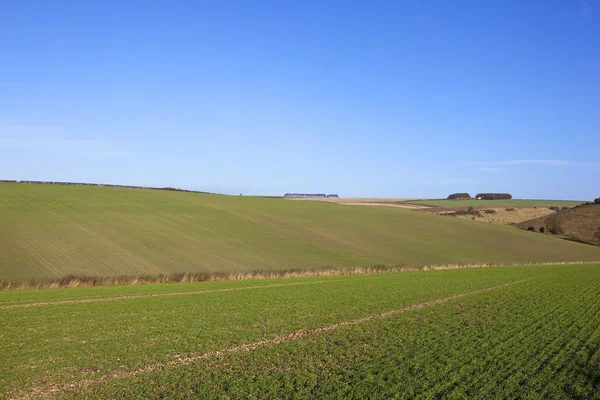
(500, 332)
(497, 203)
(53, 231)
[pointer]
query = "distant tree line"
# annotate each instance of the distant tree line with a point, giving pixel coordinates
(311, 195)
(103, 185)
(493, 196)
(459, 196)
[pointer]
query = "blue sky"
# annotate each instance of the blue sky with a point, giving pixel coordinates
(371, 99)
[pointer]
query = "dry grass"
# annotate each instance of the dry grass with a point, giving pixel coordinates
(504, 217)
(581, 223)
(73, 281)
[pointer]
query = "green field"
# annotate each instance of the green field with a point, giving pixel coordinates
(502, 332)
(52, 231)
(498, 203)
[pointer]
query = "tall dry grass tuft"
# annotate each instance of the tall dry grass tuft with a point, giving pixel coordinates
(72, 281)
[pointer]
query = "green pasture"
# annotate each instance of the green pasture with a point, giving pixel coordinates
(516, 332)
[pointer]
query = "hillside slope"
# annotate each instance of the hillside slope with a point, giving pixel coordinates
(580, 223)
(48, 230)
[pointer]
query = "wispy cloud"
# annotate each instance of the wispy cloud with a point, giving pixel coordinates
(16, 143)
(63, 147)
(489, 169)
(22, 130)
(553, 163)
(115, 154)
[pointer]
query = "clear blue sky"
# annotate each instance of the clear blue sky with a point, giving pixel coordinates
(386, 99)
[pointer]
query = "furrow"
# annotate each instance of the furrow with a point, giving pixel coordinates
(55, 389)
(507, 341)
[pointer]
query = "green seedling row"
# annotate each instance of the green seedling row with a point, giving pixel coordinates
(527, 332)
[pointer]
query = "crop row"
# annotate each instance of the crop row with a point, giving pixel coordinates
(536, 337)
(88, 340)
(53, 231)
(540, 339)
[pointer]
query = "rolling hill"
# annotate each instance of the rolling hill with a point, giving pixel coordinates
(52, 231)
(580, 223)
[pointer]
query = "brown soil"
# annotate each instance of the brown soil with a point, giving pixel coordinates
(581, 223)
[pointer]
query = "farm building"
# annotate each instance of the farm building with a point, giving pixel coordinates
(311, 195)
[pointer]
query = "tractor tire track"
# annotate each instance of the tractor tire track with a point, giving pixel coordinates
(36, 255)
(144, 296)
(244, 348)
(137, 260)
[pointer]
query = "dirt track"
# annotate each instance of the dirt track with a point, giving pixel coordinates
(355, 200)
(397, 205)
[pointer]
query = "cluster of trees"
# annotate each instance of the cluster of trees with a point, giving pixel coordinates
(100, 184)
(480, 196)
(459, 196)
(317, 195)
(493, 196)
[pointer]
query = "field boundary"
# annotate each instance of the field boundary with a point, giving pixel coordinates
(74, 281)
(72, 386)
(108, 185)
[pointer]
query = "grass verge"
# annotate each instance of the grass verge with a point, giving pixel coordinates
(78, 281)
